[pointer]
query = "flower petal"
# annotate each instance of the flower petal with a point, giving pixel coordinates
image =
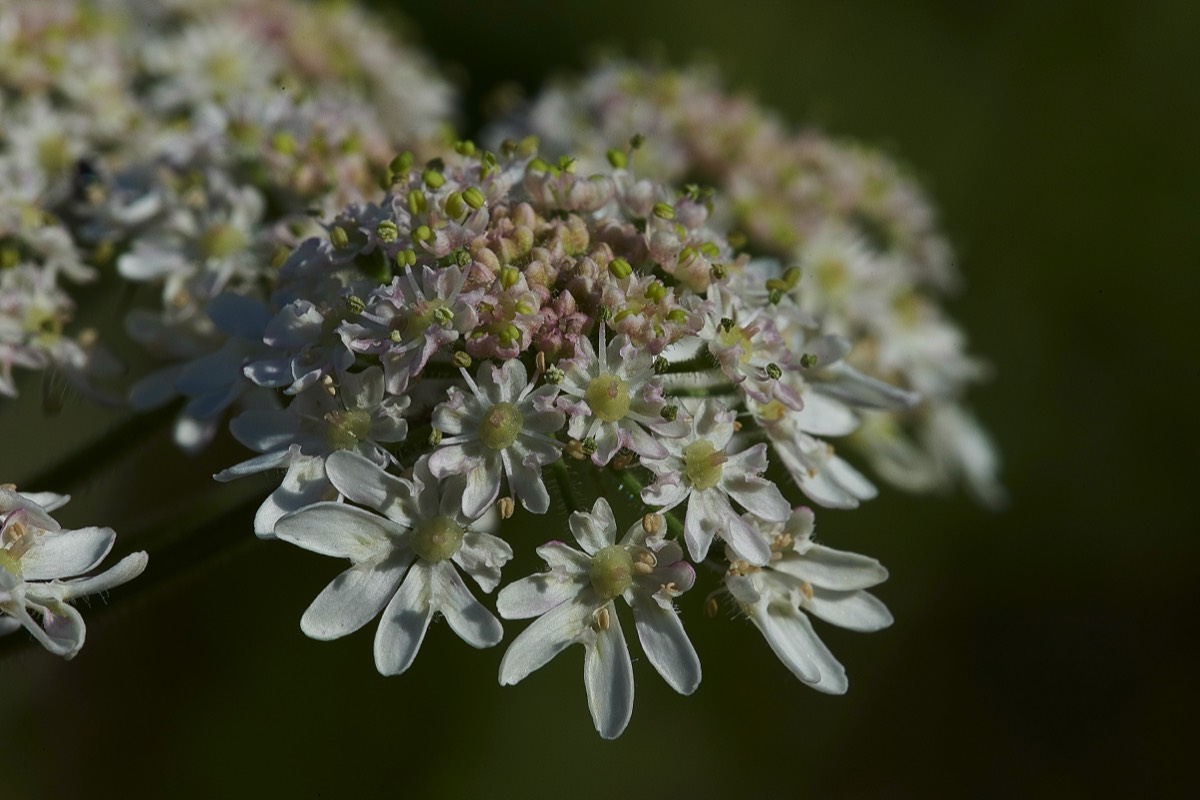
(790, 634)
(473, 623)
(548, 636)
(666, 644)
(608, 678)
(596, 530)
(123, 571)
(537, 594)
(63, 554)
(335, 529)
(856, 611)
(353, 599)
(404, 622)
(833, 569)
(759, 496)
(363, 481)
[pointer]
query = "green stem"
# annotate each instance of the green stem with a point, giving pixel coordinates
(718, 390)
(701, 362)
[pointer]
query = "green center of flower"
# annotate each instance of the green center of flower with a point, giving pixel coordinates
(437, 539)
(500, 426)
(703, 463)
(424, 315)
(611, 571)
(347, 428)
(608, 397)
(736, 336)
(222, 240)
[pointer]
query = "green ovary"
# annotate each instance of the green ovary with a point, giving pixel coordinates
(611, 572)
(347, 428)
(437, 539)
(221, 241)
(422, 317)
(500, 426)
(608, 397)
(703, 464)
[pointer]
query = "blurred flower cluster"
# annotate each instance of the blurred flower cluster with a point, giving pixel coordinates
(644, 315)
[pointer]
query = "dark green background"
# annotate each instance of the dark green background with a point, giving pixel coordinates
(1045, 651)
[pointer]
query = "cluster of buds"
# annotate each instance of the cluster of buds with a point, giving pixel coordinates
(871, 263)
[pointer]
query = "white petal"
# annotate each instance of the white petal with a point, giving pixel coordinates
(700, 524)
(608, 678)
(667, 645)
(537, 594)
(404, 622)
(833, 569)
(482, 556)
(596, 530)
(335, 529)
(34, 513)
(481, 489)
(62, 631)
(759, 496)
(746, 541)
(8, 624)
(363, 481)
(856, 611)
(63, 554)
(793, 639)
(304, 484)
(562, 556)
(473, 623)
(526, 483)
(825, 416)
(548, 636)
(123, 571)
(665, 493)
(352, 599)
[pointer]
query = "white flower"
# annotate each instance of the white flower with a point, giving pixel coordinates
(403, 563)
(699, 469)
(36, 555)
(575, 603)
(504, 425)
(357, 416)
(618, 401)
(808, 577)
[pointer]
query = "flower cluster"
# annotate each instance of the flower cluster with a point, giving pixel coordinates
(871, 264)
(39, 565)
(184, 144)
(439, 351)
(499, 329)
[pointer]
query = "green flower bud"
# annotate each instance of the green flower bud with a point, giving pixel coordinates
(808, 361)
(401, 163)
(422, 234)
(462, 359)
(664, 211)
(455, 207)
(416, 202)
(620, 268)
(774, 372)
(509, 277)
(433, 179)
(617, 159)
(465, 147)
(474, 198)
(656, 291)
(338, 237)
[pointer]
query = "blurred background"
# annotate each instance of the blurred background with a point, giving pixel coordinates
(1047, 650)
